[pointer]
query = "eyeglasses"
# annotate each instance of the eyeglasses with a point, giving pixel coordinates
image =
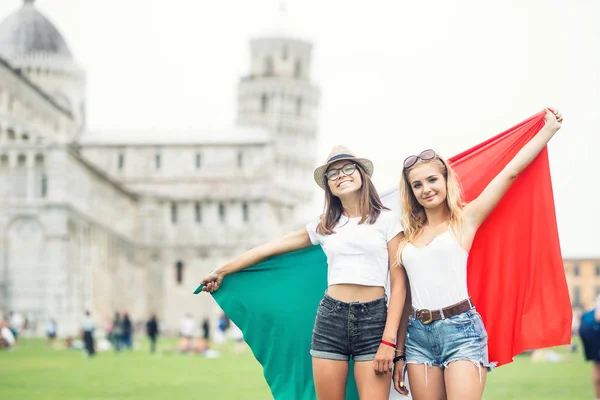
(334, 173)
(425, 155)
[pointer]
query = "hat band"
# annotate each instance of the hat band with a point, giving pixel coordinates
(340, 156)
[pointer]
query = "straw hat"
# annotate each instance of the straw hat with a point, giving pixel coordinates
(340, 153)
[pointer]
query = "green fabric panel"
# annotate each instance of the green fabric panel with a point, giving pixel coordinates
(274, 303)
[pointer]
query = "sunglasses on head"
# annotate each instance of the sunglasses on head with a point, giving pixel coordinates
(425, 155)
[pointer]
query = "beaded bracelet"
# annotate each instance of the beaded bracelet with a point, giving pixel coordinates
(399, 358)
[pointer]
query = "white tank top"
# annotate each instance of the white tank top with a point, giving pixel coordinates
(437, 272)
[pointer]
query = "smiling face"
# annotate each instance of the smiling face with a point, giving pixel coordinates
(344, 185)
(428, 183)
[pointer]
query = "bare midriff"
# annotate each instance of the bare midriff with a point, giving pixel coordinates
(349, 293)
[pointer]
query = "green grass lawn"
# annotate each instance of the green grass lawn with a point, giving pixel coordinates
(35, 371)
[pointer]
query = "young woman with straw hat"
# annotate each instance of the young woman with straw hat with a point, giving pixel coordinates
(359, 236)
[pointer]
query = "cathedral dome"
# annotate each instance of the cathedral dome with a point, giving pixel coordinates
(26, 32)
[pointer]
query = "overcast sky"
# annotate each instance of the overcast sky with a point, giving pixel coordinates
(396, 76)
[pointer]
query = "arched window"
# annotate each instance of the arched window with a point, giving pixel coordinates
(44, 186)
(264, 103)
(240, 160)
(299, 106)
(222, 212)
(173, 213)
(121, 161)
(576, 296)
(198, 212)
(20, 177)
(179, 272)
(41, 177)
(21, 160)
(298, 69)
(198, 160)
(245, 215)
(268, 66)
(39, 160)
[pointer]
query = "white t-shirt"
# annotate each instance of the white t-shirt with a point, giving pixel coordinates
(357, 254)
(87, 323)
(8, 336)
(188, 326)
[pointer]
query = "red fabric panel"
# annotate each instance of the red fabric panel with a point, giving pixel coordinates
(515, 271)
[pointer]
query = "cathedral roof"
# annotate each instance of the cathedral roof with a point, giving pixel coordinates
(27, 32)
(37, 89)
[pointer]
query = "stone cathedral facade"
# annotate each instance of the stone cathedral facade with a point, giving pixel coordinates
(112, 221)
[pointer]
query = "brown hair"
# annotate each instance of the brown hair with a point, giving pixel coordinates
(369, 205)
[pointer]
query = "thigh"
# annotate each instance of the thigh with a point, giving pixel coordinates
(330, 377)
(371, 386)
(330, 332)
(426, 383)
(465, 380)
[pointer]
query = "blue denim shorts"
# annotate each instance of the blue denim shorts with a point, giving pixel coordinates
(461, 337)
(343, 329)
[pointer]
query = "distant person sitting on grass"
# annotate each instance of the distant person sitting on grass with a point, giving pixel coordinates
(188, 327)
(203, 343)
(589, 331)
(7, 339)
(15, 323)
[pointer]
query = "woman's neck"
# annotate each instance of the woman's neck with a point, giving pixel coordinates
(438, 215)
(351, 207)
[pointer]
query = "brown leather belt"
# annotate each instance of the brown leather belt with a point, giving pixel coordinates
(428, 316)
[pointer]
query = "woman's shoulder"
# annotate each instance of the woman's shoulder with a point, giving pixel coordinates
(388, 216)
(315, 221)
(312, 229)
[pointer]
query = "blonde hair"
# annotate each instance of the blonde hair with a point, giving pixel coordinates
(413, 218)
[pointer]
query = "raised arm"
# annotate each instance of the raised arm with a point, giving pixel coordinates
(477, 211)
(294, 241)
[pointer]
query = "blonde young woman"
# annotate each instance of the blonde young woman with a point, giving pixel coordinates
(445, 341)
(359, 237)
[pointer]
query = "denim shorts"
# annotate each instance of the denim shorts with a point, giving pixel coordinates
(348, 329)
(461, 337)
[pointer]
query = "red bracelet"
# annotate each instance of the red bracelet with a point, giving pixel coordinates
(388, 343)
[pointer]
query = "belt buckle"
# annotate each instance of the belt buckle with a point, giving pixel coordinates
(428, 320)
